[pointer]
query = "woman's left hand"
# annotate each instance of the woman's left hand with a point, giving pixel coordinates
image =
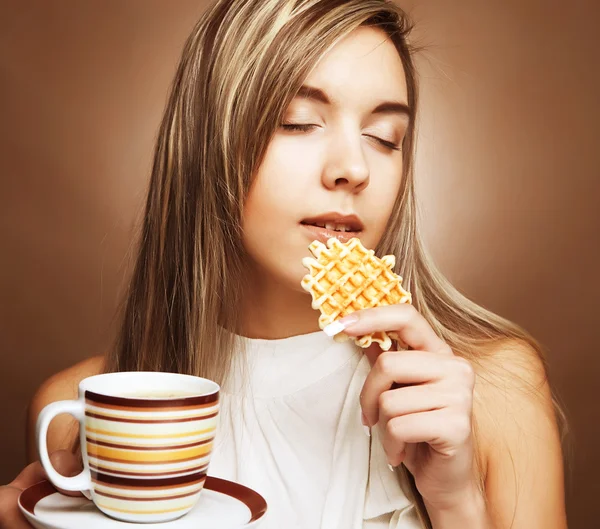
(426, 422)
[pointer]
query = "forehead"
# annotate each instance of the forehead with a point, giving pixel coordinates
(362, 67)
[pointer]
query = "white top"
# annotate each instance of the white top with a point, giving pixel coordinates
(290, 429)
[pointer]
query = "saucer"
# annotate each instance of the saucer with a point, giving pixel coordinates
(222, 505)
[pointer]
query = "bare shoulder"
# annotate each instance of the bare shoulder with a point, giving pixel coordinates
(512, 384)
(60, 386)
(518, 437)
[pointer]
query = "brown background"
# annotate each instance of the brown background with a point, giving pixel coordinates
(508, 174)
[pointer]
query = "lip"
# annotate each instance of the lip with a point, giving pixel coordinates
(351, 221)
(323, 234)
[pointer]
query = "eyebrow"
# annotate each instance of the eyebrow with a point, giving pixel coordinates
(386, 107)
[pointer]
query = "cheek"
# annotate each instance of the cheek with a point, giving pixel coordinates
(272, 202)
(380, 199)
(262, 221)
(281, 186)
(385, 203)
(273, 241)
(276, 203)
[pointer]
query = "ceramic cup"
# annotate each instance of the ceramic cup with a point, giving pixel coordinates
(146, 442)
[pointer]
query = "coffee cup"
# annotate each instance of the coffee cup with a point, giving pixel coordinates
(146, 442)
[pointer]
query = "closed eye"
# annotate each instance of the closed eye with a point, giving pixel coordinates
(296, 126)
(308, 127)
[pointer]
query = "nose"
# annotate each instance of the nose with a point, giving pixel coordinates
(346, 166)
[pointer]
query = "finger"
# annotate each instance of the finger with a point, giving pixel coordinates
(10, 515)
(30, 475)
(412, 399)
(444, 431)
(395, 452)
(67, 464)
(374, 350)
(63, 461)
(406, 321)
(403, 367)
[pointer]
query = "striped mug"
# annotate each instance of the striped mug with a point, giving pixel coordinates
(146, 442)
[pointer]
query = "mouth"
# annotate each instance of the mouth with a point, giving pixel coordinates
(341, 227)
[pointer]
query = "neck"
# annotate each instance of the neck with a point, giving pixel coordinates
(271, 311)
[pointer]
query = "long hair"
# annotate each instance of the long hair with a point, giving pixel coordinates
(240, 68)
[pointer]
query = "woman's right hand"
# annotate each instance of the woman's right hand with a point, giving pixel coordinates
(64, 462)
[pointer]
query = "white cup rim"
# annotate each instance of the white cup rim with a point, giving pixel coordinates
(118, 384)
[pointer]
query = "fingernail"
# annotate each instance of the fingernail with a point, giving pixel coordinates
(366, 427)
(333, 328)
(363, 418)
(338, 326)
(346, 321)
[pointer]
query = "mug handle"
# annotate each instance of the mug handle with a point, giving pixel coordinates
(81, 482)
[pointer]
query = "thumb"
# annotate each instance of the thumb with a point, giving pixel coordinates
(67, 464)
(63, 461)
(30, 475)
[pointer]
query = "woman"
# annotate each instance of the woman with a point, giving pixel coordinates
(285, 116)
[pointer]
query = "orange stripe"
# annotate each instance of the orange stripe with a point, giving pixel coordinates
(148, 435)
(148, 498)
(132, 455)
(144, 462)
(117, 454)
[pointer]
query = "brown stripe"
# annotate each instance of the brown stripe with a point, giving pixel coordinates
(129, 435)
(151, 403)
(130, 462)
(143, 475)
(144, 421)
(151, 415)
(155, 448)
(137, 498)
(254, 501)
(156, 408)
(99, 477)
(30, 496)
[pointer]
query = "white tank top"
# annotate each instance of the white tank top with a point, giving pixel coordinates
(290, 429)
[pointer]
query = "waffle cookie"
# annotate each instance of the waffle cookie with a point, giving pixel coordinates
(346, 277)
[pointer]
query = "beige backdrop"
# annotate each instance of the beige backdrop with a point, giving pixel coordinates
(508, 171)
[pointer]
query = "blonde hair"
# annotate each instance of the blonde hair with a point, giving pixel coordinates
(240, 68)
